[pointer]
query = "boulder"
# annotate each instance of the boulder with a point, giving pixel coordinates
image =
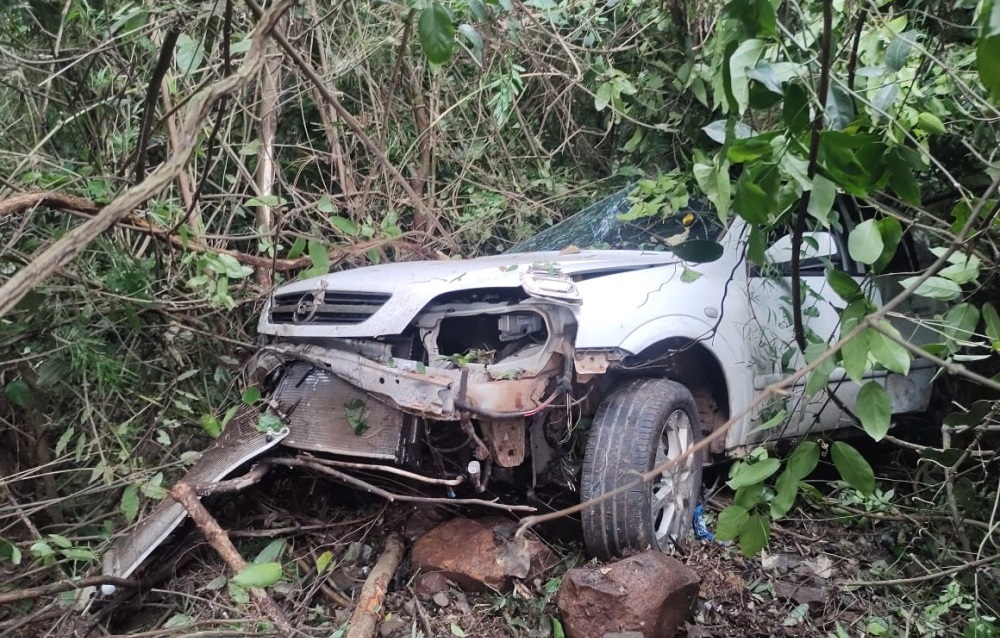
(481, 554)
(649, 593)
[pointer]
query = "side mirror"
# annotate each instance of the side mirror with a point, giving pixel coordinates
(818, 245)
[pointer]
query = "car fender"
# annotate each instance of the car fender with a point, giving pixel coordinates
(738, 375)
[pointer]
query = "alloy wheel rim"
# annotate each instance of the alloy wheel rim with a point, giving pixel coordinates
(672, 492)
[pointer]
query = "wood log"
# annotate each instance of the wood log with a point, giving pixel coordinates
(369, 610)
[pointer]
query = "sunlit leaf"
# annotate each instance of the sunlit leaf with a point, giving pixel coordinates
(749, 473)
(934, 288)
(874, 410)
(865, 242)
(258, 575)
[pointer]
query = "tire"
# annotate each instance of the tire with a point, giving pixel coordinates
(638, 426)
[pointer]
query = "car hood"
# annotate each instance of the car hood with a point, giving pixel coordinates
(413, 285)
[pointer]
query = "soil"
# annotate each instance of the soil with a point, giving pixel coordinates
(794, 588)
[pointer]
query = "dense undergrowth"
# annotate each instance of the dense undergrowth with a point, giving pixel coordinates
(122, 361)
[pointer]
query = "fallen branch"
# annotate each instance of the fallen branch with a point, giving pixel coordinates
(60, 586)
(26, 201)
(403, 498)
(368, 611)
(217, 538)
(61, 252)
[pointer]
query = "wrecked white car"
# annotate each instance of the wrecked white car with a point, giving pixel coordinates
(553, 369)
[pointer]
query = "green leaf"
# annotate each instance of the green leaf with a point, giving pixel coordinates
(803, 460)
(821, 199)
(755, 535)
(846, 287)
(773, 422)
(889, 353)
(325, 205)
(865, 242)
(251, 395)
(992, 320)
(743, 60)
(437, 33)
(323, 561)
(457, 631)
(129, 505)
(749, 473)
(699, 251)
(689, 276)
(268, 422)
(11, 551)
(210, 425)
(795, 110)
(853, 467)
(892, 232)
(987, 57)
(258, 575)
(874, 410)
(188, 54)
(785, 490)
(962, 271)
(961, 321)
(603, 96)
(266, 200)
(750, 149)
(854, 353)
(297, 248)
(344, 225)
(931, 123)
(731, 522)
(757, 193)
(271, 552)
(713, 180)
(319, 258)
(899, 49)
(18, 393)
(903, 182)
(749, 496)
(475, 40)
(934, 288)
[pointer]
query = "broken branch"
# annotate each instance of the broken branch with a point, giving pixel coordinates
(368, 611)
(58, 587)
(61, 252)
(389, 496)
(217, 538)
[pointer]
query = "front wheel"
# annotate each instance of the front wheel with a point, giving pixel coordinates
(641, 424)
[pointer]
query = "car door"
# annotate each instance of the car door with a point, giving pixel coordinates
(770, 332)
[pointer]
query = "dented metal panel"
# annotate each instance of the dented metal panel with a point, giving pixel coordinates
(239, 442)
(425, 391)
(317, 405)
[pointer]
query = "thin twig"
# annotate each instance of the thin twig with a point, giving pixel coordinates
(217, 538)
(64, 250)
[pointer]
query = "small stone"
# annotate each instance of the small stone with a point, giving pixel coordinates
(391, 626)
(441, 599)
(430, 584)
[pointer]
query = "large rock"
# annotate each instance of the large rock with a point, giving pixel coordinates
(481, 554)
(649, 593)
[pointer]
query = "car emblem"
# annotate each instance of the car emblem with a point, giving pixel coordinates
(305, 310)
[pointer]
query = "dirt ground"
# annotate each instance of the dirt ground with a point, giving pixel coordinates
(795, 588)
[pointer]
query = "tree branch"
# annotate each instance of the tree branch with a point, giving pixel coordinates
(817, 127)
(64, 250)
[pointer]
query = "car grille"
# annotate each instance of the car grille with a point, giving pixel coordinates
(335, 308)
